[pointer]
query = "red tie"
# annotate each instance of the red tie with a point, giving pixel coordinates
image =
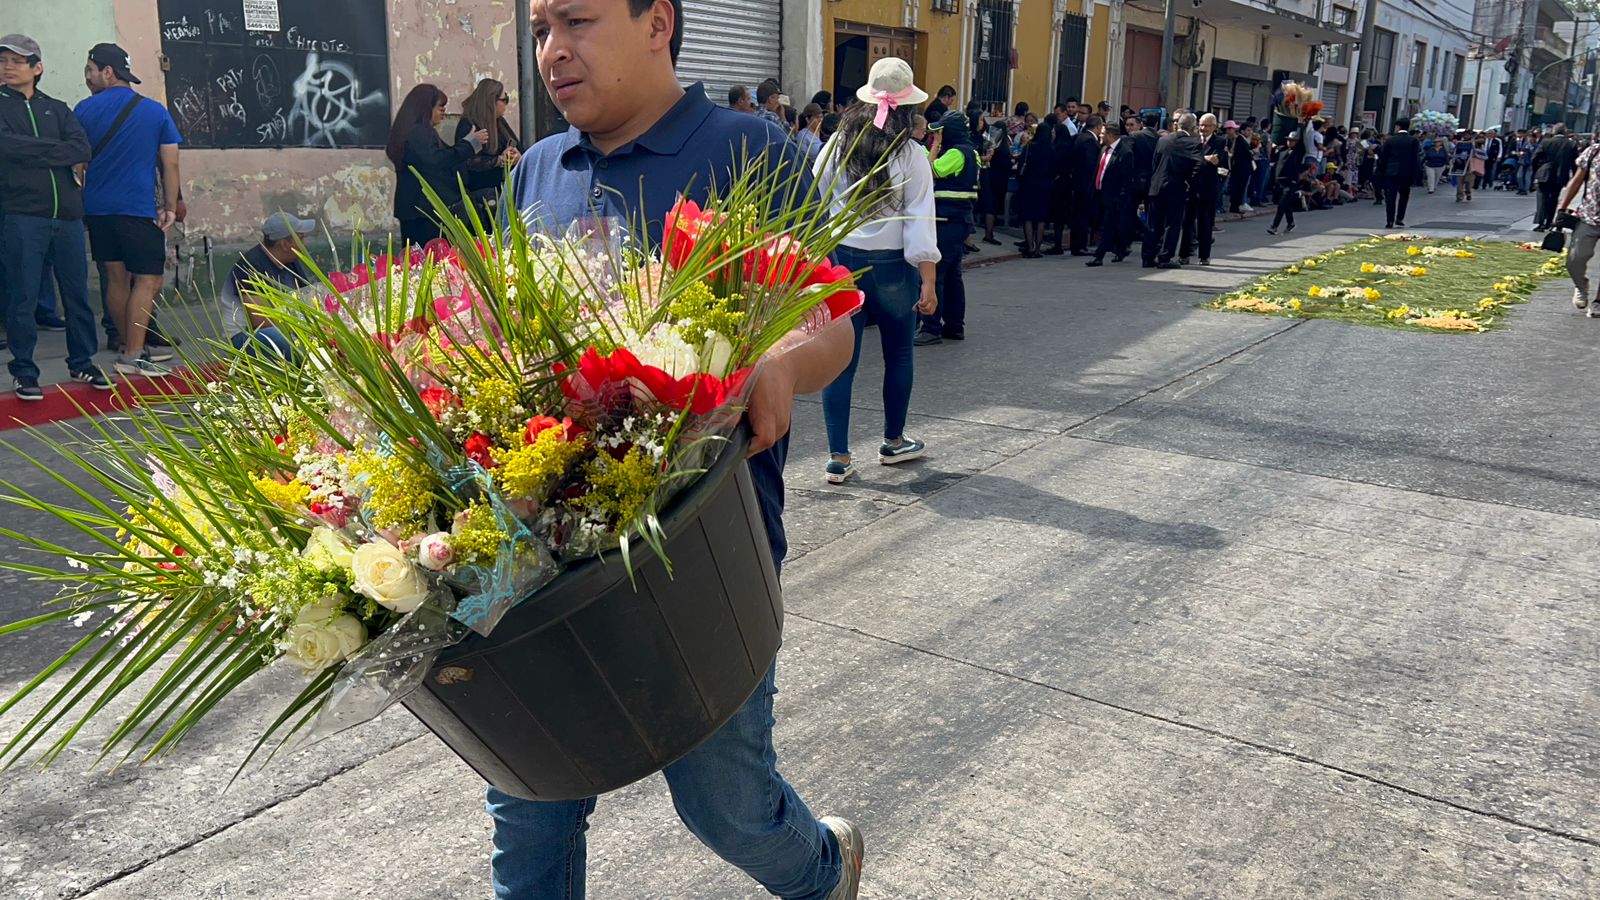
(1098, 176)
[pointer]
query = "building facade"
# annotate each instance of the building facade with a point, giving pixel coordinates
(1419, 61)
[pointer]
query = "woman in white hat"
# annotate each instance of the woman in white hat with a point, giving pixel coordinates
(900, 248)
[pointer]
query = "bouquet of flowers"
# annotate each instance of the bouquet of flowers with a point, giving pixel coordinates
(465, 421)
(1435, 123)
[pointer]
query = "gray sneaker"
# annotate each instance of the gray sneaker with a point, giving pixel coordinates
(1578, 299)
(144, 365)
(851, 849)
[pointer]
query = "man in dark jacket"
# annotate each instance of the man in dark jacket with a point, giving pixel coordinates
(1142, 137)
(1061, 194)
(956, 171)
(1115, 172)
(40, 142)
(1177, 155)
(1200, 220)
(1085, 199)
(1399, 165)
(1553, 164)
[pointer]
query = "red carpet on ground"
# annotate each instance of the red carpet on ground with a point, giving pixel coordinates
(72, 400)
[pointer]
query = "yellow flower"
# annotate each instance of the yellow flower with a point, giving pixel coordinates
(1488, 303)
(1502, 286)
(1295, 304)
(401, 496)
(1368, 267)
(1373, 295)
(1294, 270)
(528, 471)
(291, 496)
(1419, 271)
(1448, 323)
(1313, 291)
(621, 487)
(1413, 251)
(1400, 312)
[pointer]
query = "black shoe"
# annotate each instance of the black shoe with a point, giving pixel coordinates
(1097, 261)
(1399, 224)
(53, 323)
(1183, 260)
(1147, 265)
(94, 376)
(971, 249)
(1169, 264)
(28, 389)
(1120, 257)
(154, 338)
(1021, 245)
(1054, 251)
(1205, 262)
(955, 335)
(1032, 254)
(1081, 253)
(924, 338)
(990, 240)
(1289, 229)
(1272, 230)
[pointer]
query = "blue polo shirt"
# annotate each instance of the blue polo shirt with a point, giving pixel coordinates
(122, 179)
(696, 144)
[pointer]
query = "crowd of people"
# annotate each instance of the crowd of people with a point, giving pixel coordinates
(97, 179)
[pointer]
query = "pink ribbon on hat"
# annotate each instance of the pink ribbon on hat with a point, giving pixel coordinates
(888, 101)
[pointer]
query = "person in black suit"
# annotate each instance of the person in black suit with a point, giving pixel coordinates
(1061, 191)
(1115, 174)
(1085, 199)
(1553, 164)
(1176, 157)
(1142, 136)
(1399, 165)
(1200, 222)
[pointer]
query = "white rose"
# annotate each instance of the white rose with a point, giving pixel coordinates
(384, 574)
(435, 552)
(717, 355)
(327, 550)
(322, 636)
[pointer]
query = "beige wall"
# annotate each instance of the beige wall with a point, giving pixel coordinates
(229, 192)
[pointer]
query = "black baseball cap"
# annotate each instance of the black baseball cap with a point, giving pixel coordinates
(110, 56)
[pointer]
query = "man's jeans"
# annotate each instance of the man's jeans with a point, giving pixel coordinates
(266, 339)
(1525, 177)
(1579, 254)
(727, 791)
(28, 242)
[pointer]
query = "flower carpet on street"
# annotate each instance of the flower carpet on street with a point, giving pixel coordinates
(467, 421)
(1402, 281)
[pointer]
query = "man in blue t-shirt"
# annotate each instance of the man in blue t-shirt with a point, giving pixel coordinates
(132, 137)
(637, 142)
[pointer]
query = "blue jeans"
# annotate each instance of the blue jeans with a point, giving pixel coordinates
(891, 289)
(727, 791)
(29, 241)
(1260, 181)
(47, 291)
(265, 338)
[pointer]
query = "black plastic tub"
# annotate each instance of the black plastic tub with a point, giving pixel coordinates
(594, 682)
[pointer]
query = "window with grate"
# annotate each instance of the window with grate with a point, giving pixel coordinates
(1069, 67)
(1344, 19)
(991, 54)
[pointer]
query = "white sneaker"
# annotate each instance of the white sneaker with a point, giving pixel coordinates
(1594, 311)
(1246, 208)
(1578, 299)
(851, 849)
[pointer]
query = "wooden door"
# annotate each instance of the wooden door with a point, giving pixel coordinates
(1141, 70)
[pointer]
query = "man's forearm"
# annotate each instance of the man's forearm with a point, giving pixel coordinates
(170, 187)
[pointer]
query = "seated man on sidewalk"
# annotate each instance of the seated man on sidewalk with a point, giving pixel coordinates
(273, 259)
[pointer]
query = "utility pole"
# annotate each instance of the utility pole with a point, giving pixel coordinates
(1369, 37)
(527, 75)
(1168, 38)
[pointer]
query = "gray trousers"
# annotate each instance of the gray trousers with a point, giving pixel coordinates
(1579, 252)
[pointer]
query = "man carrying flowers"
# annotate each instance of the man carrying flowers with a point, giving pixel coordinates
(639, 140)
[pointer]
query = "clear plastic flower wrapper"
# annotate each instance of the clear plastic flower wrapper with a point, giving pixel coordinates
(460, 423)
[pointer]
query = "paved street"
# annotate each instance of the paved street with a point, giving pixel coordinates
(1181, 604)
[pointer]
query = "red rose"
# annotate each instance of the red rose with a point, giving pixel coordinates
(540, 424)
(438, 399)
(478, 449)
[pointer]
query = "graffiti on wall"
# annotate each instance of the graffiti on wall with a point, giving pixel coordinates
(277, 73)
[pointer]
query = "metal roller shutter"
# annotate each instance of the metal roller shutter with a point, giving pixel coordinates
(728, 42)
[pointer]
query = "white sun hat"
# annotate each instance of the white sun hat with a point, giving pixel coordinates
(889, 85)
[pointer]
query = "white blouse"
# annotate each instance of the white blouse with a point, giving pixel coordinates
(911, 226)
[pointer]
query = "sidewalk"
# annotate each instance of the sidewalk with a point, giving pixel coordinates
(1180, 604)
